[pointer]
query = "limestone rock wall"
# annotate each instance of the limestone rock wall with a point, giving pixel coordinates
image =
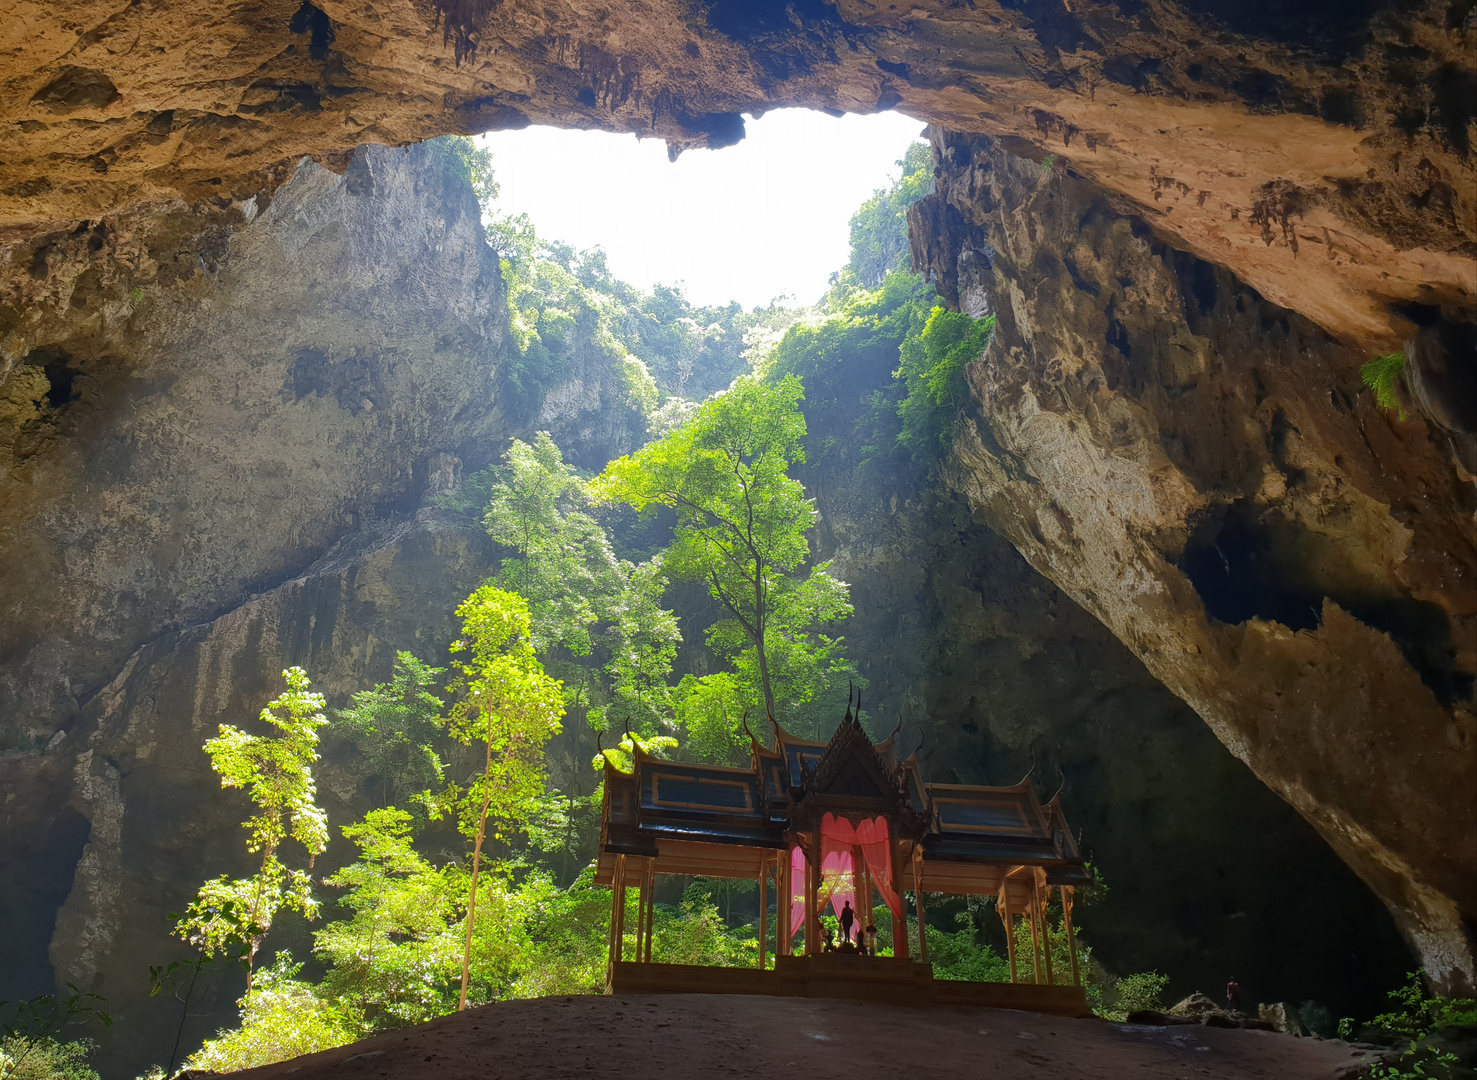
(207, 401)
(1199, 468)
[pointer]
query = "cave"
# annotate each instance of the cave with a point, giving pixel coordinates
(1138, 437)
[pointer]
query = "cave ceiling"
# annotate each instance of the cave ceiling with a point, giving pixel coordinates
(1321, 151)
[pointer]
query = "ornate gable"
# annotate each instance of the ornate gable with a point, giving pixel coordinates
(851, 770)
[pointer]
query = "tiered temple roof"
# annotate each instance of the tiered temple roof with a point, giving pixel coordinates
(708, 819)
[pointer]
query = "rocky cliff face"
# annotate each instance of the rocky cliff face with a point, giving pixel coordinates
(206, 402)
(214, 453)
(1321, 150)
(1197, 467)
(115, 824)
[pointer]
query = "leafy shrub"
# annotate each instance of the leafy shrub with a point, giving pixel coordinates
(468, 161)
(1141, 990)
(1382, 375)
(932, 368)
(281, 1018)
(23, 1058)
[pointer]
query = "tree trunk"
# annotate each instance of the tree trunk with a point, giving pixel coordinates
(759, 623)
(476, 867)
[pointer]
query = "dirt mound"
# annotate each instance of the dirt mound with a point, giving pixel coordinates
(693, 1035)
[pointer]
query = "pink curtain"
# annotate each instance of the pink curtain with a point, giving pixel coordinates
(838, 880)
(797, 890)
(838, 884)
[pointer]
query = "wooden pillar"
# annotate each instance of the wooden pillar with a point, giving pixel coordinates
(1033, 910)
(618, 911)
(763, 907)
(863, 878)
(899, 917)
(1043, 894)
(918, 901)
(650, 905)
(641, 910)
(812, 884)
(1067, 891)
(1002, 906)
(786, 888)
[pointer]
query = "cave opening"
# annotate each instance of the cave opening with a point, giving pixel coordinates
(61, 371)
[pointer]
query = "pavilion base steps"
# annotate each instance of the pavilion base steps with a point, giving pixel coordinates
(851, 978)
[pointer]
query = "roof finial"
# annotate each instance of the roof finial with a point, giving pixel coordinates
(745, 722)
(1061, 787)
(1029, 772)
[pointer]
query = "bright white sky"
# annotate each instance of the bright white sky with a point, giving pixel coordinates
(750, 222)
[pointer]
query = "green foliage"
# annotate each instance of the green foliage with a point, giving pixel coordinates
(1416, 1014)
(569, 931)
(1142, 990)
(957, 955)
(583, 599)
(710, 709)
(396, 958)
(879, 228)
(1382, 375)
(1416, 1019)
(1046, 163)
(281, 1018)
(622, 755)
(276, 773)
(742, 524)
(931, 366)
(512, 707)
(693, 932)
(469, 162)
(655, 344)
(23, 1058)
(883, 365)
(33, 1043)
(394, 725)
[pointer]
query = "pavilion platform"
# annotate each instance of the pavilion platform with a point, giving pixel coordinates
(847, 977)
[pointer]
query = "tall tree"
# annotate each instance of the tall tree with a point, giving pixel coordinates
(512, 707)
(276, 772)
(742, 524)
(583, 600)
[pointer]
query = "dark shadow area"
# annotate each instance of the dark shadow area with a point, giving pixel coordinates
(1251, 564)
(38, 876)
(1230, 561)
(61, 372)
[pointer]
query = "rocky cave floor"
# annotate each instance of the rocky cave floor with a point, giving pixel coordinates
(701, 1035)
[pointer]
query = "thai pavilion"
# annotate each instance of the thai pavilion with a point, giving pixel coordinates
(832, 823)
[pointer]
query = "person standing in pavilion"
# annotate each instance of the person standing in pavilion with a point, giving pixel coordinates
(848, 917)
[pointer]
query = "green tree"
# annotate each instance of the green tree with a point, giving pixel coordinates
(276, 771)
(583, 599)
(396, 957)
(742, 524)
(512, 707)
(394, 725)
